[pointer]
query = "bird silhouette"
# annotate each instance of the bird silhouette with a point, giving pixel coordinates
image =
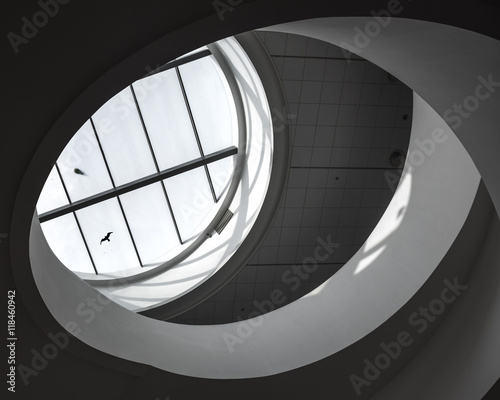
(106, 238)
(78, 171)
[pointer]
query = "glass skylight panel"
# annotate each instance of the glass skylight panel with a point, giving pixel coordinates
(96, 222)
(191, 200)
(150, 221)
(146, 122)
(166, 118)
(52, 195)
(209, 97)
(82, 166)
(65, 240)
(123, 140)
(221, 172)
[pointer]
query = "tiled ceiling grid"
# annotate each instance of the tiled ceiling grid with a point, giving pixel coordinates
(347, 116)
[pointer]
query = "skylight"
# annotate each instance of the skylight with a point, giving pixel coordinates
(144, 176)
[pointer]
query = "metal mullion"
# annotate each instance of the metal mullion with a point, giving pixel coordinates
(156, 164)
(195, 131)
(117, 197)
(177, 63)
(137, 184)
(77, 221)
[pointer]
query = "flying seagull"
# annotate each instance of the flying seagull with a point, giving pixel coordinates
(106, 237)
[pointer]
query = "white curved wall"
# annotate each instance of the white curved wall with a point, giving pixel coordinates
(346, 308)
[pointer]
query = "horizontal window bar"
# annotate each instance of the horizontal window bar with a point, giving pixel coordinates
(148, 180)
(180, 61)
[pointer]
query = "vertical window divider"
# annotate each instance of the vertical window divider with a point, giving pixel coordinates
(117, 197)
(188, 107)
(156, 164)
(77, 221)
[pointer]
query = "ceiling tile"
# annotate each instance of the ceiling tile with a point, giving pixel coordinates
(244, 291)
(308, 236)
(314, 69)
(311, 217)
(292, 217)
(268, 254)
(367, 115)
(286, 254)
(308, 114)
(354, 71)
(295, 197)
(340, 157)
(301, 156)
(352, 197)
(370, 94)
(331, 92)
(324, 136)
(304, 135)
(359, 157)
(333, 197)
(311, 92)
(344, 136)
(296, 45)
(247, 274)
(227, 292)
(314, 197)
(321, 157)
(318, 178)
(328, 114)
(289, 237)
(347, 115)
(316, 48)
(298, 178)
(330, 217)
(370, 197)
(348, 216)
(265, 273)
(293, 68)
(356, 178)
(382, 137)
(373, 74)
(275, 43)
(292, 90)
(351, 93)
(390, 95)
(334, 70)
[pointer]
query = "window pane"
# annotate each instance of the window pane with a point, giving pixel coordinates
(52, 195)
(209, 98)
(221, 172)
(83, 154)
(123, 140)
(166, 118)
(150, 221)
(97, 221)
(191, 200)
(65, 240)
